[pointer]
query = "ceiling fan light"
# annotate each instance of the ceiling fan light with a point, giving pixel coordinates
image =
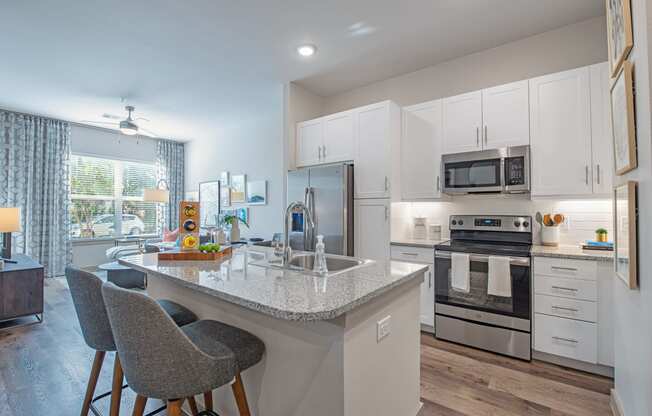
(129, 128)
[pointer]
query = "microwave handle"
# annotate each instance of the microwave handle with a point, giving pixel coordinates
(502, 173)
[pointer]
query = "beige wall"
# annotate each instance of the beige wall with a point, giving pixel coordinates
(572, 46)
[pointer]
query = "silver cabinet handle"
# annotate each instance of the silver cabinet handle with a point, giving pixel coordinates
(438, 184)
(485, 135)
(319, 152)
(386, 213)
(477, 136)
(429, 279)
(324, 151)
(570, 269)
(386, 183)
(598, 173)
(586, 172)
(565, 309)
(574, 341)
(565, 288)
(410, 254)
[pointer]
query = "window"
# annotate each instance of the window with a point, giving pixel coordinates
(107, 198)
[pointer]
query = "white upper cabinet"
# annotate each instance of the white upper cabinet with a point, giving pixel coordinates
(421, 151)
(560, 133)
(602, 142)
(377, 153)
(339, 137)
(310, 138)
(505, 116)
(462, 122)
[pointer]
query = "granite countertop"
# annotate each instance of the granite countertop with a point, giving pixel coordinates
(571, 252)
(283, 294)
(411, 242)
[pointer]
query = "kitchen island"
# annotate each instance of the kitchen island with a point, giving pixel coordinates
(346, 344)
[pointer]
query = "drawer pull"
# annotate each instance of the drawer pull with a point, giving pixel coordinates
(565, 288)
(565, 309)
(410, 254)
(568, 269)
(574, 341)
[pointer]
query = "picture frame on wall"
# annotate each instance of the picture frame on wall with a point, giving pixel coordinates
(620, 37)
(238, 189)
(626, 233)
(257, 193)
(623, 120)
(225, 183)
(209, 201)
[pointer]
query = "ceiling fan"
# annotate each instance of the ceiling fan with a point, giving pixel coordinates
(127, 126)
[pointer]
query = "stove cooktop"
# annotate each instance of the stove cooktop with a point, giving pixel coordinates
(484, 247)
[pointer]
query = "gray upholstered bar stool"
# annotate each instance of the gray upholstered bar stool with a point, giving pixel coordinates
(86, 291)
(170, 363)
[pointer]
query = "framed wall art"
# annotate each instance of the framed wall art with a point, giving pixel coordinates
(238, 189)
(257, 193)
(209, 202)
(619, 33)
(623, 120)
(225, 184)
(626, 233)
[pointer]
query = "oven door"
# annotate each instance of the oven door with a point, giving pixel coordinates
(473, 172)
(516, 306)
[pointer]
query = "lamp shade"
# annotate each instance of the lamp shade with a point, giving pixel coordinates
(156, 195)
(9, 220)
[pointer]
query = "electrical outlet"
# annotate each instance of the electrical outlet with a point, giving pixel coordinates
(384, 327)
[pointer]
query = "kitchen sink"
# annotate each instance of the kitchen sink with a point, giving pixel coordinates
(304, 262)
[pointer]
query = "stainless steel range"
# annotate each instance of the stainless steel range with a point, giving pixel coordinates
(476, 316)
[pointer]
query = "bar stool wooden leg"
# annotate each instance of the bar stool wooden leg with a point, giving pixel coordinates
(193, 405)
(240, 396)
(208, 400)
(116, 389)
(92, 381)
(139, 406)
(174, 407)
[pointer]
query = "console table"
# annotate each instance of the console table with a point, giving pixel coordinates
(21, 290)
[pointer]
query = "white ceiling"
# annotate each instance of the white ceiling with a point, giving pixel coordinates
(192, 65)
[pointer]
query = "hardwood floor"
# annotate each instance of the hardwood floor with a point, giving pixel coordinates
(44, 370)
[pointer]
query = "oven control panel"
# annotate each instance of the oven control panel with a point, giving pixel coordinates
(491, 223)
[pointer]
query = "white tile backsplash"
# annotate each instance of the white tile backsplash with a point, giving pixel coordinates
(583, 216)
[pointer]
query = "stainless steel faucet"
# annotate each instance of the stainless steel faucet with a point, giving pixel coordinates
(307, 224)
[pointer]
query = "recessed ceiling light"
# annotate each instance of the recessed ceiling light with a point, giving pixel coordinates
(306, 50)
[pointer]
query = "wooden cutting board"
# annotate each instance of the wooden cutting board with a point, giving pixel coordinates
(225, 251)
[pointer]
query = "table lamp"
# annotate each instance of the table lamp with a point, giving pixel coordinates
(158, 194)
(9, 222)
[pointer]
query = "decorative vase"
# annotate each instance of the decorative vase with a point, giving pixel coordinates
(221, 236)
(601, 237)
(235, 231)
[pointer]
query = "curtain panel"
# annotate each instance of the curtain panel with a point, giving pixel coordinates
(34, 176)
(170, 167)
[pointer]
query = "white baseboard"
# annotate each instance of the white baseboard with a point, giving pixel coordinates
(616, 404)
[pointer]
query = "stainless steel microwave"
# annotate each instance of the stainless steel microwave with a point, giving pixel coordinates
(505, 170)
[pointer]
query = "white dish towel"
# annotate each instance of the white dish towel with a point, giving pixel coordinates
(500, 278)
(460, 272)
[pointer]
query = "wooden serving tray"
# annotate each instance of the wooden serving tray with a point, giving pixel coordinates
(176, 255)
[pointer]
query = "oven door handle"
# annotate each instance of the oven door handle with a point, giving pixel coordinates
(482, 258)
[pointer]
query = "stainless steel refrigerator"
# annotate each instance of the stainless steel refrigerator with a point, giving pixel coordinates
(327, 191)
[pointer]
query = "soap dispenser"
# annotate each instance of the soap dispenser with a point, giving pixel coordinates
(320, 257)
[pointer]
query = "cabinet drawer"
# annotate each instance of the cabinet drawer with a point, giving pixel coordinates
(413, 254)
(566, 337)
(578, 269)
(566, 288)
(566, 308)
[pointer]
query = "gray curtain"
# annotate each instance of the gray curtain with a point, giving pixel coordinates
(34, 176)
(170, 167)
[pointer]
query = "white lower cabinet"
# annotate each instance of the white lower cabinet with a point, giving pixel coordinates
(372, 228)
(424, 256)
(570, 301)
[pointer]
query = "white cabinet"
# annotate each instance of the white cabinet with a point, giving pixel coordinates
(372, 229)
(326, 140)
(601, 135)
(310, 138)
(505, 116)
(462, 122)
(377, 150)
(560, 133)
(424, 256)
(421, 141)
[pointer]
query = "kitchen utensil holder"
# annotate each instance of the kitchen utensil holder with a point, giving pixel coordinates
(550, 236)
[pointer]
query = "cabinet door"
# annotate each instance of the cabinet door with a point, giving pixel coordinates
(339, 138)
(372, 229)
(428, 298)
(560, 133)
(310, 137)
(601, 135)
(372, 162)
(462, 121)
(421, 152)
(505, 114)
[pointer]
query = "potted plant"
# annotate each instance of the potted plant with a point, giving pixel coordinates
(234, 221)
(601, 235)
